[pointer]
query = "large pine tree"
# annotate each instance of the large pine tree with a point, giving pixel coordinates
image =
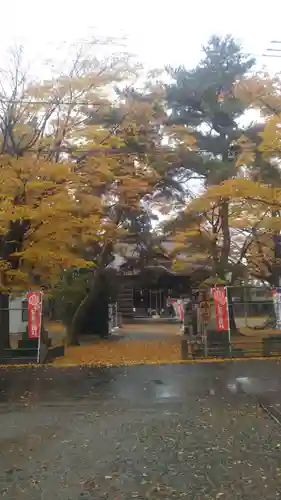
(202, 101)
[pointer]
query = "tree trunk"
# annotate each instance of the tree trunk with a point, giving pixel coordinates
(277, 253)
(91, 316)
(232, 323)
(4, 322)
(224, 216)
(93, 307)
(224, 260)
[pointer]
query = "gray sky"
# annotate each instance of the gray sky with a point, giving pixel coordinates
(159, 32)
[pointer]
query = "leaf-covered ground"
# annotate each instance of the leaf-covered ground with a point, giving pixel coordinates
(148, 342)
(108, 353)
(148, 433)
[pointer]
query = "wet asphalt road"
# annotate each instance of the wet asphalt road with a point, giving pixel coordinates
(150, 432)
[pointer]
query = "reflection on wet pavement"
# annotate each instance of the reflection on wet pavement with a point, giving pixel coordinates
(147, 432)
(137, 383)
(254, 386)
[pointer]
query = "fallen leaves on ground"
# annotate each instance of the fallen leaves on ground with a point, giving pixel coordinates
(259, 333)
(146, 344)
(110, 353)
(55, 326)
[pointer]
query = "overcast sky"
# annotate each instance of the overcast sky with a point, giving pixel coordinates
(159, 32)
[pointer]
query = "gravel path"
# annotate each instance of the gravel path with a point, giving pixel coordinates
(158, 432)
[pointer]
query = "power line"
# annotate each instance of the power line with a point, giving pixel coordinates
(113, 151)
(157, 151)
(272, 51)
(49, 102)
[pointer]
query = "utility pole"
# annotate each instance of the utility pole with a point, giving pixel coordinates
(275, 51)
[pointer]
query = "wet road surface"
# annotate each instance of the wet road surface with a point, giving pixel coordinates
(150, 432)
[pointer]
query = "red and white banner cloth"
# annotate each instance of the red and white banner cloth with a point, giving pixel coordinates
(35, 300)
(221, 307)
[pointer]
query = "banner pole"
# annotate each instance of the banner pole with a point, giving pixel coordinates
(116, 315)
(228, 319)
(204, 326)
(40, 324)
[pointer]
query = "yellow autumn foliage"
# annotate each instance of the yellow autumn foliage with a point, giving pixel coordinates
(247, 152)
(263, 93)
(200, 242)
(271, 137)
(49, 213)
(70, 174)
(236, 190)
(260, 92)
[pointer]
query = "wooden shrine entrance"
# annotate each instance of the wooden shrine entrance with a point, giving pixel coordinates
(147, 293)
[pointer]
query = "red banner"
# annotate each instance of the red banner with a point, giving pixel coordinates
(221, 307)
(180, 309)
(34, 314)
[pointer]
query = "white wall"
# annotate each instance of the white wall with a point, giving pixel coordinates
(15, 315)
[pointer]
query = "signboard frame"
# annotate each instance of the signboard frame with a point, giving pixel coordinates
(220, 297)
(35, 303)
